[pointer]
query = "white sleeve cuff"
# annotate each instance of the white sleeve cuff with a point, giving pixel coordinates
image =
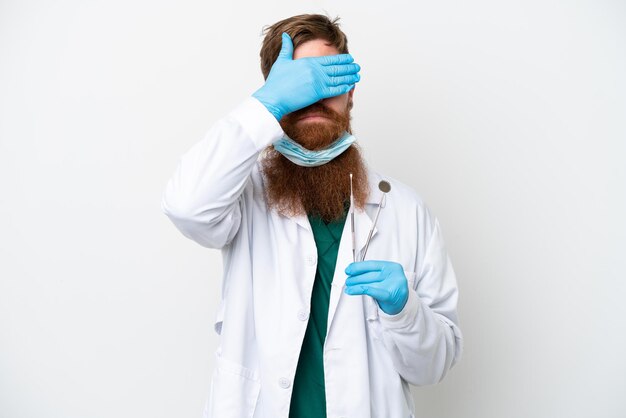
(257, 121)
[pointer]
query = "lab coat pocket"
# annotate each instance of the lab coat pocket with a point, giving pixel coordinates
(371, 306)
(411, 277)
(234, 389)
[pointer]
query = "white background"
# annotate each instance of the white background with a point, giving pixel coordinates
(508, 117)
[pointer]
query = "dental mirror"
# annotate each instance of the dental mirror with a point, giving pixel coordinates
(384, 187)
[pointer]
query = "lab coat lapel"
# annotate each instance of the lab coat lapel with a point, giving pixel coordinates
(362, 225)
(303, 221)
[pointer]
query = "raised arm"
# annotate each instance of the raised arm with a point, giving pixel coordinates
(203, 196)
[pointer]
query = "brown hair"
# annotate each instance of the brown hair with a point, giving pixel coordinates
(300, 28)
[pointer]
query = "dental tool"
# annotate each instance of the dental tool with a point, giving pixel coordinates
(352, 220)
(384, 187)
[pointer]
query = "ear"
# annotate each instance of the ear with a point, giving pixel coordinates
(350, 101)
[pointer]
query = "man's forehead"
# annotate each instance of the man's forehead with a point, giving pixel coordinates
(314, 48)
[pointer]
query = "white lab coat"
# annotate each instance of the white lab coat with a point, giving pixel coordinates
(215, 197)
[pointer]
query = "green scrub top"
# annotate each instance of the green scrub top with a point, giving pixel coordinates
(308, 399)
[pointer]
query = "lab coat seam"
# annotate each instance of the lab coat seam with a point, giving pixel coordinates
(427, 252)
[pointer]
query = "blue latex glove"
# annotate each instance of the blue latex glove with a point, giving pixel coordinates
(383, 280)
(295, 84)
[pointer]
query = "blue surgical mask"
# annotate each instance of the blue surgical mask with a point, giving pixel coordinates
(299, 155)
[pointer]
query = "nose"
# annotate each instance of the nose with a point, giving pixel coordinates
(323, 103)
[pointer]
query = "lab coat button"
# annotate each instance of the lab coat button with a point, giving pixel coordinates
(284, 383)
(311, 260)
(303, 315)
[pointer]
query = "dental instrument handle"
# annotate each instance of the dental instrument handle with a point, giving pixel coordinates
(369, 237)
(352, 221)
(353, 240)
(384, 187)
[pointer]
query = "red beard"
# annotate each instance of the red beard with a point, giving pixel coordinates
(322, 190)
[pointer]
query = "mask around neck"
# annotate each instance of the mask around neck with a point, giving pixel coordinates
(301, 156)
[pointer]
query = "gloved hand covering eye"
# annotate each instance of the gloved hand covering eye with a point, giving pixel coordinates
(383, 280)
(295, 84)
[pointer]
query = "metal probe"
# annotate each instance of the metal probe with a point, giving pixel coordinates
(352, 220)
(384, 187)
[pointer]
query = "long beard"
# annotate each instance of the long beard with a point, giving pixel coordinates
(322, 191)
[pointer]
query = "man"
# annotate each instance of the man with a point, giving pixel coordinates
(305, 330)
